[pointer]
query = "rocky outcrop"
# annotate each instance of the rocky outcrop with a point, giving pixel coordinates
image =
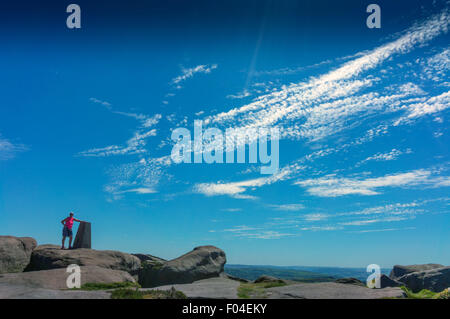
(228, 276)
(201, 263)
(269, 279)
(149, 258)
(47, 257)
(386, 281)
(56, 278)
(15, 253)
(399, 270)
(436, 279)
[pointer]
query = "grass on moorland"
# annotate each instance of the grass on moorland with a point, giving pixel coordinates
(426, 294)
(106, 286)
(130, 290)
(256, 290)
(127, 293)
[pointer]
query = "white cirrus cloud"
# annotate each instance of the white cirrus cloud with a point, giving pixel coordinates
(141, 177)
(239, 95)
(139, 190)
(432, 105)
(267, 234)
(240, 228)
(287, 207)
(134, 145)
(316, 217)
(380, 230)
(332, 186)
(236, 189)
(376, 220)
(321, 228)
(328, 104)
(8, 150)
(389, 156)
(190, 72)
(244, 231)
(341, 221)
(295, 100)
(436, 67)
(104, 103)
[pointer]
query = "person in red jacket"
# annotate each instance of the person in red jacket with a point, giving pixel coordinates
(67, 230)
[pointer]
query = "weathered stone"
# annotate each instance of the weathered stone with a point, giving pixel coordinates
(331, 290)
(56, 278)
(269, 279)
(399, 270)
(51, 257)
(435, 280)
(15, 253)
(12, 291)
(149, 258)
(385, 281)
(201, 263)
(226, 288)
(212, 288)
(228, 276)
(83, 237)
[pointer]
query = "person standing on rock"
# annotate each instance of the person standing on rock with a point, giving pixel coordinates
(67, 230)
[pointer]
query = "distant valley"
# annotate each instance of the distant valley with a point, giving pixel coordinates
(298, 273)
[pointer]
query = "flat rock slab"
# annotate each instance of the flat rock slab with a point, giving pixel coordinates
(57, 278)
(47, 257)
(215, 288)
(331, 290)
(10, 291)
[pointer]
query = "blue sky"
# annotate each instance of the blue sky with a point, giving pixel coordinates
(86, 119)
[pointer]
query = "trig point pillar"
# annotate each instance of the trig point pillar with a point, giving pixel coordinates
(83, 238)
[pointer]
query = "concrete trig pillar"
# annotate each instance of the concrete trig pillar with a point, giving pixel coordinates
(83, 238)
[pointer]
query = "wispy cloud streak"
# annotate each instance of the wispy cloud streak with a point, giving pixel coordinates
(190, 72)
(8, 150)
(333, 186)
(134, 145)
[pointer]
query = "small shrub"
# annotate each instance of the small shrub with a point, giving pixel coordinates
(164, 294)
(426, 294)
(244, 291)
(156, 265)
(256, 290)
(274, 284)
(126, 293)
(444, 295)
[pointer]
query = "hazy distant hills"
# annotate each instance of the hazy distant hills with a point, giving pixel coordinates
(298, 273)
